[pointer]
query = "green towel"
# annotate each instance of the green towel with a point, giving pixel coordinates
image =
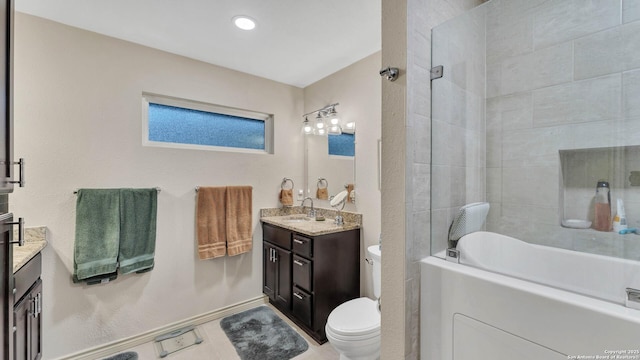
(97, 232)
(138, 209)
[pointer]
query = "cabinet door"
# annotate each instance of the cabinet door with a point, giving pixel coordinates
(21, 328)
(283, 284)
(35, 322)
(269, 271)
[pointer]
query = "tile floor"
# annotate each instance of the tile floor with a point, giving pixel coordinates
(216, 346)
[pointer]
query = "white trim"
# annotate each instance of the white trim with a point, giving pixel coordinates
(212, 108)
(133, 341)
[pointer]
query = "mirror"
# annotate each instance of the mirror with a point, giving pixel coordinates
(336, 170)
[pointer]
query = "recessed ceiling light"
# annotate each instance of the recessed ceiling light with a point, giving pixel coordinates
(244, 22)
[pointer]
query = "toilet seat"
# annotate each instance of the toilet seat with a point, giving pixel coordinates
(357, 319)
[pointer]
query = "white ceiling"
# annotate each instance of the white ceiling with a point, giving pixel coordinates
(296, 42)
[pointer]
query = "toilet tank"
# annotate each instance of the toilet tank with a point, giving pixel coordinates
(375, 255)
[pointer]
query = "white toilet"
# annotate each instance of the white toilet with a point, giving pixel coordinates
(353, 328)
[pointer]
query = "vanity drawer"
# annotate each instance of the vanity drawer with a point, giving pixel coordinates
(277, 236)
(26, 276)
(302, 272)
(302, 246)
(302, 305)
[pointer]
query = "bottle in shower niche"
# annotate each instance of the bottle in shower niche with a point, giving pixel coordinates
(602, 218)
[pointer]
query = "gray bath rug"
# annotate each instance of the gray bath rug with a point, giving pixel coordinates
(177, 340)
(259, 334)
(129, 355)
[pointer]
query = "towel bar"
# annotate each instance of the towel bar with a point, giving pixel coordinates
(157, 189)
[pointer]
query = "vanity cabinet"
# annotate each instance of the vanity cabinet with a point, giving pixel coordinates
(320, 273)
(27, 311)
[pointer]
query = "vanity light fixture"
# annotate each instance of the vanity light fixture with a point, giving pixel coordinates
(319, 122)
(327, 121)
(244, 22)
(335, 129)
(306, 126)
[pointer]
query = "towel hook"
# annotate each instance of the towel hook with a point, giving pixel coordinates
(320, 181)
(284, 183)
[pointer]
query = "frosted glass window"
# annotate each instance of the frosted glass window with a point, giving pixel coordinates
(179, 123)
(342, 145)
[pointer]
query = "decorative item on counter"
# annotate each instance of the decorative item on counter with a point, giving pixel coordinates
(602, 218)
(322, 193)
(620, 220)
(286, 195)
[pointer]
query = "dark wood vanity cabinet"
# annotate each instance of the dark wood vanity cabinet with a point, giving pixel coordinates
(27, 311)
(317, 274)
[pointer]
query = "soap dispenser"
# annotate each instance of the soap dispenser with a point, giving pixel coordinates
(602, 218)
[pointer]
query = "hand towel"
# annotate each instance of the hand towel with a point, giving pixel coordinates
(97, 235)
(322, 194)
(286, 197)
(138, 212)
(239, 220)
(211, 222)
(349, 190)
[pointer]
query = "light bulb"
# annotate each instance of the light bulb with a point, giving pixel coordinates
(350, 125)
(244, 22)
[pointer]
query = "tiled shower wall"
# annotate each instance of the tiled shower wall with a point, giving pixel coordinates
(561, 75)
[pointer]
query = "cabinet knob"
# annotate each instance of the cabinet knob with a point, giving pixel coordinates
(297, 262)
(298, 296)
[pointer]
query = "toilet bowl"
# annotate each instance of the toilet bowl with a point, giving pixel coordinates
(353, 328)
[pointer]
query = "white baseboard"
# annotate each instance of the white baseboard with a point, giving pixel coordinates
(133, 341)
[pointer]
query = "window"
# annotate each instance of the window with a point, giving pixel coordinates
(342, 145)
(171, 122)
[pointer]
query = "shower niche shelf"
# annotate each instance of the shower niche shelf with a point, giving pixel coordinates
(581, 169)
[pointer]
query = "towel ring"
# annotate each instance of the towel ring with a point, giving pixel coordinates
(320, 181)
(284, 183)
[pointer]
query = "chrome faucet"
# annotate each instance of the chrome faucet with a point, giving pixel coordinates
(312, 212)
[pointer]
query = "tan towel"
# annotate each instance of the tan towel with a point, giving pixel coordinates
(322, 194)
(349, 190)
(211, 222)
(239, 221)
(286, 197)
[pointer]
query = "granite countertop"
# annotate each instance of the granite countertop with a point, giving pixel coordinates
(295, 219)
(35, 241)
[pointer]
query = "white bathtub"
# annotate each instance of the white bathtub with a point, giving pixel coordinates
(535, 303)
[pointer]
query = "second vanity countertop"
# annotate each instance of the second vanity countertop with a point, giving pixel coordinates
(35, 241)
(295, 219)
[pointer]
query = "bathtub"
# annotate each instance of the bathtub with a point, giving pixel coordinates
(508, 299)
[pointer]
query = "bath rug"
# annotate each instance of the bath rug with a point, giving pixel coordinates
(129, 355)
(259, 334)
(177, 340)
